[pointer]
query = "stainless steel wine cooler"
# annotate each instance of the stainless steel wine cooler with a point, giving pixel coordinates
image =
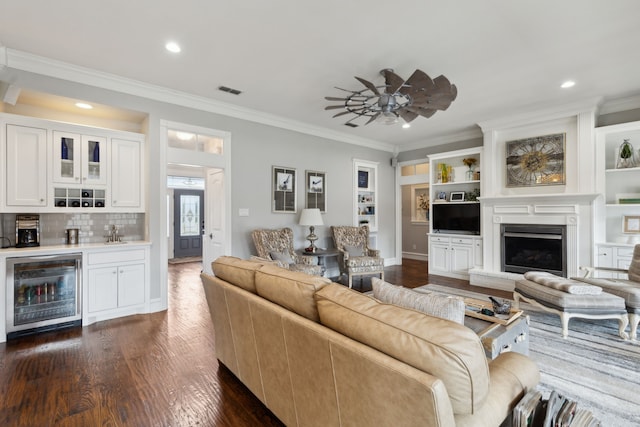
(43, 293)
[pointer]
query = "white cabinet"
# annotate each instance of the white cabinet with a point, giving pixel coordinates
(613, 256)
(126, 175)
(117, 283)
(365, 176)
(26, 166)
(60, 167)
(79, 159)
(477, 252)
(452, 255)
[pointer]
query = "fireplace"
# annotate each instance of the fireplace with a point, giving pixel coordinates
(527, 247)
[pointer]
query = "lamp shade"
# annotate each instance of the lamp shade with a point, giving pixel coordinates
(311, 217)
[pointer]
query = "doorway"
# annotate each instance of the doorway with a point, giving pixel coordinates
(188, 223)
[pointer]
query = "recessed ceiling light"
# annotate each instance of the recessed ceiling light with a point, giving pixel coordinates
(84, 105)
(173, 47)
(568, 84)
(406, 126)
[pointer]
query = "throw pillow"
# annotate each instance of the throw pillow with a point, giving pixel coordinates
(284, 257)
(354, 250)
(438, 305)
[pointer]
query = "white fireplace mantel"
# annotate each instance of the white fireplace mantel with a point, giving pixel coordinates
(528, 199)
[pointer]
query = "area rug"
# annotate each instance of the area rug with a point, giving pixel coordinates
(592, 366)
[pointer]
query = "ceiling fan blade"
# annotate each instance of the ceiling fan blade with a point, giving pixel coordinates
(373, 118)
(429, 103)
(333, 107)
(368, 85)
(407, 115)
(392, 81)
(342, 113)
(424, 112)
(418, 82)
(333, 98)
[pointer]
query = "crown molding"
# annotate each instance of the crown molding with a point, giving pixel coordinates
(18, 60)
(542, 114)
(620, 104)
(444, 139)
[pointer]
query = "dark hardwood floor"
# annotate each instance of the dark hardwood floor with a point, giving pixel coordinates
(148, 370)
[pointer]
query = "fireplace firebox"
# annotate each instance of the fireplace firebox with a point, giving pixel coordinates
(528, 247)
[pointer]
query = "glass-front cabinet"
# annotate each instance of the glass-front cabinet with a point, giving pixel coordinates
(79, 159)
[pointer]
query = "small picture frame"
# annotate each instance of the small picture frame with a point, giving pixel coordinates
(631, 224)
(363, 179)
(316, 191)
(442, 195)
(284, 189)
(456, 196)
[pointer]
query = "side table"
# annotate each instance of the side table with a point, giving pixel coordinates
(321, 254)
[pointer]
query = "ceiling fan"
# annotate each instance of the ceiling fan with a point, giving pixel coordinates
(419, 95)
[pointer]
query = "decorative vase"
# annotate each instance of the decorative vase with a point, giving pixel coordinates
(470, 174)
(625, 158)
(96, 153)
(444, 173)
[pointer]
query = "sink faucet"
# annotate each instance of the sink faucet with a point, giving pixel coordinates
(113, 235)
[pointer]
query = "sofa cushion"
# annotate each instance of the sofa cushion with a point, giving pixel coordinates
(292, 290)
(449, 351)
(238, 272)
(444, 306)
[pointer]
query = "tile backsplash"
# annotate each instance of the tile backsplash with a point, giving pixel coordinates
(92, 226)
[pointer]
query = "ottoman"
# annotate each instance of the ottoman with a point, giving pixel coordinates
(627, 289)
(567, 306)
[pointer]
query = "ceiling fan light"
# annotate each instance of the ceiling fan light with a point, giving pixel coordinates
(387, 118)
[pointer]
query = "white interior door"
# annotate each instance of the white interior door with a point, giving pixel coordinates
(213, 240)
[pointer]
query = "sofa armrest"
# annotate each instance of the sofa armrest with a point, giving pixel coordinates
(270, 261)
(306, 259)
(373, 252)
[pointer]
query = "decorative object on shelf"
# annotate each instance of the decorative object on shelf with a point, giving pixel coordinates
(631, 224)
(536, 161)
(65, 150)
(363, 179)
(625, 157)
(311, 218)
(470, 163)
(628, 198)
(472, 196)
(399, 99)
(96, 152)
(316, 190)
(445, 173)
(284, 189)
(456, 196)
(442, 196)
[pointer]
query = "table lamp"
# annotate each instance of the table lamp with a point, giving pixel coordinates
(311, 217)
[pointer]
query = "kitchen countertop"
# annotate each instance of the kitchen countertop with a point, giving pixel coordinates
(62, 249)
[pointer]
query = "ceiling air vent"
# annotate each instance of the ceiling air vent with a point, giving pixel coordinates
(229, 90)
(352, 125)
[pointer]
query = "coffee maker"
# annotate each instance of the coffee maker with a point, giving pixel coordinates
(27, 230)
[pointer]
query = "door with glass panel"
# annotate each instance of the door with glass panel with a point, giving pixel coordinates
(188, 222)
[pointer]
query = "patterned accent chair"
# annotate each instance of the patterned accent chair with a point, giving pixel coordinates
(356, 258)
(277, 246)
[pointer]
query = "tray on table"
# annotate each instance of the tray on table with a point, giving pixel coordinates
(474, 306)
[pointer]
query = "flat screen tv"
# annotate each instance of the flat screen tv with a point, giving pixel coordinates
(456, 218)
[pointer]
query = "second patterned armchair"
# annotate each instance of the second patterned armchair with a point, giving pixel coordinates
(356, 258)
(277, 246)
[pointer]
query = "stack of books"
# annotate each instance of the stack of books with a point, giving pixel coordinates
(557, 411)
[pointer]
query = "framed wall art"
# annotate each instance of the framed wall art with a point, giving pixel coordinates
(631, 224)
(363, 179)
(284, 189)
(316, 190)
(536, 161)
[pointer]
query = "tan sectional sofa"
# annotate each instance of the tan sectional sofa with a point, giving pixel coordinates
(319, 354)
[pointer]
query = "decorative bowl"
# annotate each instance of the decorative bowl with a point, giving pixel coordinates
(501, 307)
